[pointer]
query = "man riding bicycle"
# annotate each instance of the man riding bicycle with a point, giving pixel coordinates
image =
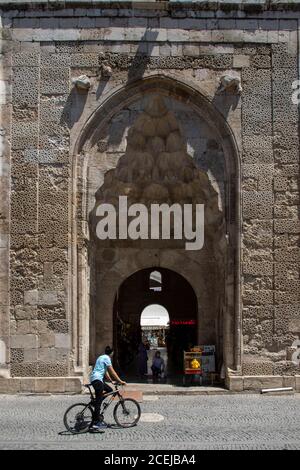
(103, 368)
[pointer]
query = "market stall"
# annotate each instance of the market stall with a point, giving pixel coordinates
(199, 364)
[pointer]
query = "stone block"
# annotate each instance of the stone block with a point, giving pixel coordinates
(3, 351)
(169, 23)
(9, 385)
(259, 382)
(258, 268)
(294, 325)
(26, 312)
(286, 226)
(105, 22)
(25, 59)
(190, 50)
(24, 341)
(265, 182)
(30, 355)
(281, 183)
(297, 380)
(62, 354)
(46, 354)
(257, 170)
(74, 385)
(4, 319)
(52, 369)
(240, 61)
(23, 327)
(289, 381)
(24, 134)
(27, 385)
(200, 36)
(85, 60)
(261, 297)
(47, 340)
(257, 367)
(49, 59)
(59, 326)
(68, 23)
(55, 81)
(48, 298)
(258, 205)
(257, 118)
(85, 22)
(50, 385)
(235, 384)
(287, 255)
(62, 340)
(176, 35)
(31, 297)
(257, 149)
(261, 61)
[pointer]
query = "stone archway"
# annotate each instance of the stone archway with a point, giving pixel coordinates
(114, 267)
(156, 170)
(179, 302)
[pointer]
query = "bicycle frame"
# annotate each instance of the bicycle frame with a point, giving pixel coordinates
(112, 394)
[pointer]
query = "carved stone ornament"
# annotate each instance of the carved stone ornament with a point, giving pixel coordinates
(82, 83)
(106, 70)
(138, 62)
(230, 84)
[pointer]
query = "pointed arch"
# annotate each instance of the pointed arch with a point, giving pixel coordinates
(203, 106)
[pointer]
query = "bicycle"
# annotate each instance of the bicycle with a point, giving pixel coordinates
(78, 418)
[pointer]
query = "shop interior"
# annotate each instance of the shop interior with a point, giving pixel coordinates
(155, 311)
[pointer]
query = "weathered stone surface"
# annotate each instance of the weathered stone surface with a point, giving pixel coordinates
(62, 340)
(50, 385)
(31, 297)
(55, 81)
(73, 385)
(297, 379)
(26, 341)
(236, 384)
(25, 86)
(257, 383)
(9, 385)
(62, 155)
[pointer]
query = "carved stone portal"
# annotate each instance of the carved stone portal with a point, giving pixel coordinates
(156, 168)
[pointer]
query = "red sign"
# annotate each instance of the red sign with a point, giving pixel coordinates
(183, 322)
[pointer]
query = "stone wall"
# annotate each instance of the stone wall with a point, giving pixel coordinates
(50, 136)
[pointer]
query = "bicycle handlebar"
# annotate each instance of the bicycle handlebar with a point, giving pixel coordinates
(117, 384)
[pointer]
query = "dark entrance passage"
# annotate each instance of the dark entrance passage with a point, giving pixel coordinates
(154, 286)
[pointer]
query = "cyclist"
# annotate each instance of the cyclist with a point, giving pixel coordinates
(103, 369)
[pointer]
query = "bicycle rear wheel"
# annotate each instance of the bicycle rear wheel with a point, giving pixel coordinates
(78, 418)
(127, 413)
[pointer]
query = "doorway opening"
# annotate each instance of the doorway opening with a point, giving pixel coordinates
(164, 318)
(155, 324)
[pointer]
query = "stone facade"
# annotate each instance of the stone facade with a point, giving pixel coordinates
(74, 81)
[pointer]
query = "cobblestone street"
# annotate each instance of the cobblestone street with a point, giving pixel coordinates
(189, 422)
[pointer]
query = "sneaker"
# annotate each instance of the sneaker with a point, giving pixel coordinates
(97, 427)
(100, 425)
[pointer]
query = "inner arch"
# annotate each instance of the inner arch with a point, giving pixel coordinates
(155, 315)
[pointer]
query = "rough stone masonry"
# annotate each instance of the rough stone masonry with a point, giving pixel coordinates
(75, 79)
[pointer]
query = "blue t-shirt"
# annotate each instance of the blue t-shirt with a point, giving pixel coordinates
(102, 363)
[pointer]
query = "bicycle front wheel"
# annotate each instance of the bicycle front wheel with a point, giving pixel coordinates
(127, 413)
(78, 418)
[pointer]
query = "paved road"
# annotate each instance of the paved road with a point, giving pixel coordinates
(190, 422)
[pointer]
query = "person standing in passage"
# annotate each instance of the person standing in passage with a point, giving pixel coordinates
(143, 359)
(158, 366)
